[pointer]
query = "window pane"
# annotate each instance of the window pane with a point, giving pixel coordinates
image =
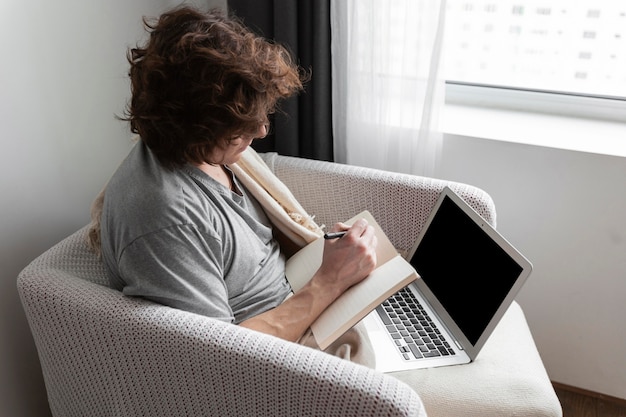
(551, 45)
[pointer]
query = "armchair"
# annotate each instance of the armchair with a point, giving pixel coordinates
(104, 354)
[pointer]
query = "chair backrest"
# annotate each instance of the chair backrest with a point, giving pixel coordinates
(400, 203)
(104, 354)
(72, 257)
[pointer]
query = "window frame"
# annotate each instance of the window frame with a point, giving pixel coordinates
(544, 102)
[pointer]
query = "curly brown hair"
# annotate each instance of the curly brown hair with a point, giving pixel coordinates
(201, 80)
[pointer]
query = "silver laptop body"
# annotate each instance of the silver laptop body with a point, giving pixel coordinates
(469, 275)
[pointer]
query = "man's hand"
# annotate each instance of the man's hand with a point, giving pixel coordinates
(349, 259)
(346, 261)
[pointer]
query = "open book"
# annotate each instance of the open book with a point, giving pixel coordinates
(391, 275)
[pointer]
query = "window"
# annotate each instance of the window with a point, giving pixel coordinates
(553, 56)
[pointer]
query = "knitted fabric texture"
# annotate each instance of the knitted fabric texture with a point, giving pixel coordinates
(105, 354)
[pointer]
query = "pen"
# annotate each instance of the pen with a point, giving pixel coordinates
(334, 235)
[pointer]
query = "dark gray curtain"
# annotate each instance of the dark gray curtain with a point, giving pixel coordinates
(303, 126)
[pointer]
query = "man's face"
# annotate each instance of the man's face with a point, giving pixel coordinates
(233, 150)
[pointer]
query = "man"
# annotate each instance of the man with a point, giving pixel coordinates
(177, 227)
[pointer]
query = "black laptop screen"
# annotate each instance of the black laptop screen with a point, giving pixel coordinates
(464, 268)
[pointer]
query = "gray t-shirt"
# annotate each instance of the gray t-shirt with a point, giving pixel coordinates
(182, 239)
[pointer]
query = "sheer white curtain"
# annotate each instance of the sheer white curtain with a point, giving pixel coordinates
(387, 88)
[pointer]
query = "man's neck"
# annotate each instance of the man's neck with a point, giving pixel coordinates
(218, 173)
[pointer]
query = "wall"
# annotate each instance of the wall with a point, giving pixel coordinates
(566, 211)
(62, 80)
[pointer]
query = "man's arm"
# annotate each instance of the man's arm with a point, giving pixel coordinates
(345, 262)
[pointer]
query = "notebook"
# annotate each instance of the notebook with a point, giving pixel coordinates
(469, 275)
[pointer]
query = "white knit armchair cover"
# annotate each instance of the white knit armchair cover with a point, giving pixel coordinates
(104, 354)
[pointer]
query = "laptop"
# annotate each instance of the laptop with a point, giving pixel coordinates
(469, 276)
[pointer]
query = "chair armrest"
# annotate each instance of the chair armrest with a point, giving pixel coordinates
(104, 354)
(400, 203)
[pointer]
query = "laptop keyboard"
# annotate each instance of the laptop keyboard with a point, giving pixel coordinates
(414, 333)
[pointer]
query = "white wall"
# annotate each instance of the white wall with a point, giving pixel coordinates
(62, 80)
(566, 211)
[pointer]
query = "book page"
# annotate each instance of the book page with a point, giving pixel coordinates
(301, 267)
(359, 300)
(391, 274)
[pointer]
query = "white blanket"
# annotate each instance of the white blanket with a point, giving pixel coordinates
(280, 205)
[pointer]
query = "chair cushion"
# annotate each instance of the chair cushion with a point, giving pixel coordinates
(507, 378)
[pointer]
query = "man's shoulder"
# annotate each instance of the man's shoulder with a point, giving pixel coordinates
(143, 195)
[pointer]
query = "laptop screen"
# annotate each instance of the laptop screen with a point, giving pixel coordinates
(464, 268)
